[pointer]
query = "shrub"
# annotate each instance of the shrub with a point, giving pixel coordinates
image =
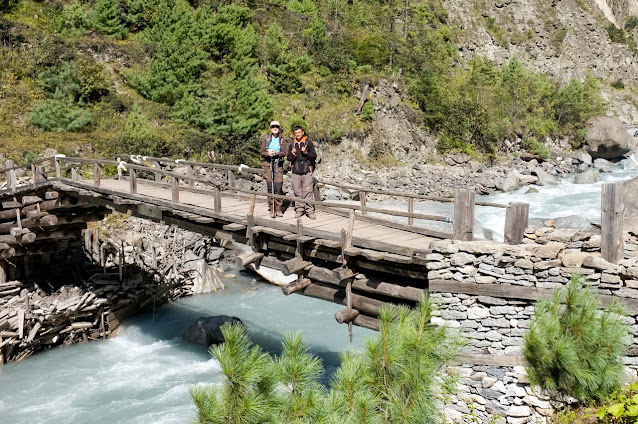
(138, 136)
(618, 84)
(108, 17)
(336, 133)
(59, 113)
(572, 348)
(367, 112)
(616, 35)
(73, 20)
(30, 157)
(532, 145)
(394, 380)
(631, 23)
(622, 406)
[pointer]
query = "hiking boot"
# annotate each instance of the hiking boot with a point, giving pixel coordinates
(298, 214)
(311, 215)
(279, 213)
(271, 212)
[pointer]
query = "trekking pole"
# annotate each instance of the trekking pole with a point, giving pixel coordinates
(272, 186)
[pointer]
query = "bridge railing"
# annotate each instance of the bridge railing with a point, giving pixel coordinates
(462, 222)
(516, 216)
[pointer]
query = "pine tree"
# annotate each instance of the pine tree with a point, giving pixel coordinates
(393, 381)
(108, 18)
(572, 348)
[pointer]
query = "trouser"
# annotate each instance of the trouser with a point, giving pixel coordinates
(276, 186)
(302, 186)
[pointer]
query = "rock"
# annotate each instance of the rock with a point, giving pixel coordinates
(458, 158)
(599, 264)
(607, 138)
(207, 331)
(573, 260)
(477, 313)
(587, 177)
(511, 182)
(461, 258)
(518, 411)
(630, 197)
(133, 238)
(582, 157)
(603, 164)
(575, 222)
(631, 162)
(205, 278)
(214, 253)
(544, 178)
(531, 190)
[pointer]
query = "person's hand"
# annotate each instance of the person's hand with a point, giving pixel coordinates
(271, 152)
(303, 149)
(294, 151)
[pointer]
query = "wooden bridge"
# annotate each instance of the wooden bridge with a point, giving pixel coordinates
(352, 254)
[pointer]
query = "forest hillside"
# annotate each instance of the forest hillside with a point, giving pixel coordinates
(202, 78)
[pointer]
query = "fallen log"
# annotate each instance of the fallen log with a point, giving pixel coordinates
(295, 286)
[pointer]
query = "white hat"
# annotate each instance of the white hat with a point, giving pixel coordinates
(275, 124)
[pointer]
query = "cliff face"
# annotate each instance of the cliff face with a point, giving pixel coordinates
(561, 38)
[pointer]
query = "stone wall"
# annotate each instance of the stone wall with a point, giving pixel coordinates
(494, 324)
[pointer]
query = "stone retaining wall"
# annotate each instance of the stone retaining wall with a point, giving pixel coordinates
(494, 324)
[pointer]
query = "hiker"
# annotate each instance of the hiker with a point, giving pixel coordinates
(273, 152)
(302, 156)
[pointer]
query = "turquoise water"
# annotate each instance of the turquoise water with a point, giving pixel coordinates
(144, 374)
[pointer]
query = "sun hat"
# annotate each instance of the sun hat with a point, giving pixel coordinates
(275, 124)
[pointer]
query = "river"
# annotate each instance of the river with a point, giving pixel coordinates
(144, 374)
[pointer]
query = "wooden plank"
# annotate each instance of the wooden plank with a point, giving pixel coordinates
(463, 224)
(516, 218)
(331, 276)
(233, 227)
(337, 295)
(612, 206)
(295, 286)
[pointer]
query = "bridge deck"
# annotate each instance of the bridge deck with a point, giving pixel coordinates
(235, 207)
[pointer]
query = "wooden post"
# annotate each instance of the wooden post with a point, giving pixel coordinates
(299, 251)
(174, 189)
(612, 246)
(3, 272)
(251, 208)
(190, 173)
(97, 175)
(74, 173)
(33, 175)
(121, 265)
(58, 174)
(410, 210)
(516, 218)
(231, 178)
(10, 175)
(316, 193)
(119, 170)
(158, 176)
(40, 174)
(463, 222)
(362, 198)
(132, 180)
(217, 198)
(250, 223)
(350, 234)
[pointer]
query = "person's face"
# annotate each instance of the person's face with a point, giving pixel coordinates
(275, 130)
(298, 134)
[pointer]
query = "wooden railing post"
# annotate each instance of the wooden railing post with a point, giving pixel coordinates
(362, 198)
(463, 222)
(190, 173)
(58, 174)
(612, 207)
(231, 178)
(10, 175)
(33, 175)
(97, 175)
(316, 192)
(410, 210)
(516, 218)
(175, 189)
(132, 180)
(40, 174)
(217, 200)
(74, 173)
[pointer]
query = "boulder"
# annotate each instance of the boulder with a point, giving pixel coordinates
(531, 190)
(582, 157)
(206, 331)
(630, 198)
(544, 178)
(607, 138)
(587, 177)
(575, 222)
(457, 158)
(205, 278)
(603, 164)
(631, 162)
(511, 182)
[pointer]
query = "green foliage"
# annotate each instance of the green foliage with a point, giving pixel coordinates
(532, 145)
(576, 102)
(59, 113)
(301, 6)
(393, 381)
(73, 19)
(631, 23)
(616, 35)
(108, 18)
(621, 407)
(618, 84)
(138, 136)
(367, 112)
(30, 157)
(572, 348)
(139, 13)
(336, 133)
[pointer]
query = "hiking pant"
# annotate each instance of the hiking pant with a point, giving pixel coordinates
(276, 186)
(302, 186)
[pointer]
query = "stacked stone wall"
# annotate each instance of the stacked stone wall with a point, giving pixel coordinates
(494, 324)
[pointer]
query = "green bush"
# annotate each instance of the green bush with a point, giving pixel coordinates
(532, 145)
(336, 133)
(30, 157)
(59, 113)
(73, 19)
(108, 18)
(621, 407)
(367, 112)
(616, 35)
(572, 348)
(395, 380)
(138, 136)
(618, 84)
(631, 23)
